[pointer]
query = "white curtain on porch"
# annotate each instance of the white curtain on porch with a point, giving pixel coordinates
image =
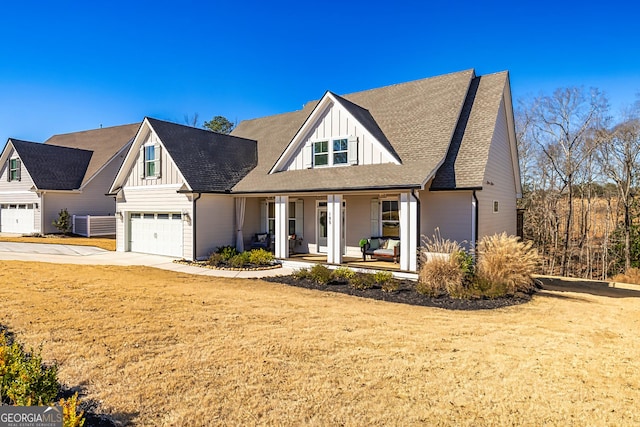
(240, 206)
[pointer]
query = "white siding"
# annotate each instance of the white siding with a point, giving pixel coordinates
(216, 223)
(92, 200)
(19, 191)
(449, 211)
(498, 185)
(169, 173)
(337, 122)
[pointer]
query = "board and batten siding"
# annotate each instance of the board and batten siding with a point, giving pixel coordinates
(499, 184)
(20, 191)
(216, 223)
(337, 122)
(448, 211)
(91, 201)
(169, 173)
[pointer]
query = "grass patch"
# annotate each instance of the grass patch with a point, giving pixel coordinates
(163, 348)
(108, 244)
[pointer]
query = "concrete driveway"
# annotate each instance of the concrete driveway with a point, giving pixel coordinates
(90, 255)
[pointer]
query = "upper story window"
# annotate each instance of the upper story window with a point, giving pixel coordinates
(151, 161)
(13, 173)
(333, 152)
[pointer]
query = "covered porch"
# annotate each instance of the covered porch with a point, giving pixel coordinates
(328, 228)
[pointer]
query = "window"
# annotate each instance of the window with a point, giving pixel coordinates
(163, 216)
(292, 218)
(340, 151)
(176, 216)
(496, 207)
(334, 152)
(271, 218)
(390, 218)
(321, 153)
(151, 161)
(14, 170)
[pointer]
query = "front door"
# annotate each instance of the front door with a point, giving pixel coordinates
(322, 227)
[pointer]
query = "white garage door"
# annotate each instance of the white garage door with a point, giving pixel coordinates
(17, 218)
(156, 233)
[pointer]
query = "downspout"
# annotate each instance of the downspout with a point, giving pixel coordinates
(193, 225)
(475, 236)
(418, 226)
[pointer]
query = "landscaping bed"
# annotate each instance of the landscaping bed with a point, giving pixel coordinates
(405, 294)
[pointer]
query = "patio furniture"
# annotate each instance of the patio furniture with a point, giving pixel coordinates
(261, 241)
(383, 248)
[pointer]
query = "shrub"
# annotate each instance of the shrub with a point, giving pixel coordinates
(215, 259)
(24, 380)
(632, 276)
(260, 257)
(301, 274)
(437, 244)
(239, 260)
(363, 281)
(343, 273)
(505, 262)
(382, 277)
(441, 275)
(70, 415)
(63, 223)
(227, 252)
(391, 285)
(320, 274)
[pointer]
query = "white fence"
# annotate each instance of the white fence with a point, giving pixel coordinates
(94, 225)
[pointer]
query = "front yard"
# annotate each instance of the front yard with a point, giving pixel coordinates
(161, 348)
(106, 243)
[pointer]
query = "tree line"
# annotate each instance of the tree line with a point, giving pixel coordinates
(580, 168)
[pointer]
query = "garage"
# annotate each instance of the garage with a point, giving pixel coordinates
(17, 218)
(156, 233)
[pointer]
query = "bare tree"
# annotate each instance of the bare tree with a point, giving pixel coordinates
(619, 156)
(563, 121)
(192, 121)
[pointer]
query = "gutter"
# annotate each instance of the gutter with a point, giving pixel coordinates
(333, 190)
(477, 210)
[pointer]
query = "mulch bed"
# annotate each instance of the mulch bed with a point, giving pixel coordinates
(406, 294)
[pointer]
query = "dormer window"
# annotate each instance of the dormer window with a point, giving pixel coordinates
(332, 152)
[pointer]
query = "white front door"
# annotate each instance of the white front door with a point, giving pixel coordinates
(322, 227)
(17, 218)
(156, 233)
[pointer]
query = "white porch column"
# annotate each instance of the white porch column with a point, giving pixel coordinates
(282, 216)
(474, 220)
(408, 232)
(334, 228)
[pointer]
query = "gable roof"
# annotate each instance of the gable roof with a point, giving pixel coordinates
(52, 167)
(105, 143)
(208, 161)
(417, 118)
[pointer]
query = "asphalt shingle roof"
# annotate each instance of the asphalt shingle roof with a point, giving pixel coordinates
(419, 120)
(209, 161)
(52, 167)
(104, 143)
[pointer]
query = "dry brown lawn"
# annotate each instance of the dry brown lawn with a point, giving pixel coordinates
(158, 348)
(108, 244)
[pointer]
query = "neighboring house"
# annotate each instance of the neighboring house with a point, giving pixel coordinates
(398, 161)
(71, 171)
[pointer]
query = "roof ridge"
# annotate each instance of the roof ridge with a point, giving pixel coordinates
(193, 128)
(92, 130)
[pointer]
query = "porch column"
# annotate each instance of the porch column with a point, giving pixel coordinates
(408, 232)
(334, 228)
(282, 215)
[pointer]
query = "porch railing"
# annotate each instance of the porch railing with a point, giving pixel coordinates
(87, 225)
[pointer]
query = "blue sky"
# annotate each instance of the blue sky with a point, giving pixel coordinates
(68, 66)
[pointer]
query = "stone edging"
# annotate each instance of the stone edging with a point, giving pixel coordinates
(211, 267)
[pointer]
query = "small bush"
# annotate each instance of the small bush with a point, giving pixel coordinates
(382, 277)
(63, 222)
(344, 274)
(301, 274)
(227, 252)
(24, 380)
(391, 285)
(216, 260)
(70, 415)
(363, 281)
(320, 274)
(631, 276)
(260, 257)
(507, 263)
(441, 275)
(437, 244)
(239, 260)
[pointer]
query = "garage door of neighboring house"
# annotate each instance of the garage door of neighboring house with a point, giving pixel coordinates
(17, 218)
(156, 233)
